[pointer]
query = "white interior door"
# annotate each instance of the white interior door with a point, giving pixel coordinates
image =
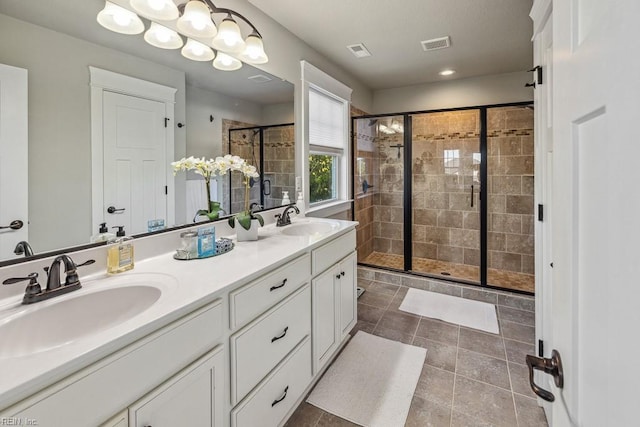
(135, 161)
(14, 159)
(596, 229)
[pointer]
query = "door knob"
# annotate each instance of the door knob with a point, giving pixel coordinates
(113, 209)
(15, 225)
(551, 366)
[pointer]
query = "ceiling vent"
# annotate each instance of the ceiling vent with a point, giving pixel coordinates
(435, 44)
(260, 78)
(359, 50)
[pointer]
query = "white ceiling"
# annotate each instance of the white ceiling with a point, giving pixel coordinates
(487, 36)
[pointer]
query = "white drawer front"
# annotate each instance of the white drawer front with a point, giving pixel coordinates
(260, 346)
(275, 397)
(327, 255)
(253, 299)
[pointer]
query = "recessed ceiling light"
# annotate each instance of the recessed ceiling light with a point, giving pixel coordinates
(446, 72)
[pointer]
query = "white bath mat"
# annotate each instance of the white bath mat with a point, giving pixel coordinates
(465, 312)
(372, 381)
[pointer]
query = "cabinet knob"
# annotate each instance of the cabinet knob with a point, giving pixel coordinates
(338, 276)
(342, 273)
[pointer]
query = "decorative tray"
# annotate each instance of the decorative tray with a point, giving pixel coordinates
(223, 245)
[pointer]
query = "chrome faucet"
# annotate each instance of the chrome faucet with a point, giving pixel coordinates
(34, 293)
(23, 247)
(284, 218)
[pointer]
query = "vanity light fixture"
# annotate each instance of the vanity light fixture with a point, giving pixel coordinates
(226, 62)
(194, 20)
(197, 51)
(119, 19)
(163, 10)
(162, 37)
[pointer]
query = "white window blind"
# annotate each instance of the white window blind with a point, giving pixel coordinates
(326, 120)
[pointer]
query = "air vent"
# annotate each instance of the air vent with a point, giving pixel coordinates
(359, 50)
(260, 78)
(434, 44)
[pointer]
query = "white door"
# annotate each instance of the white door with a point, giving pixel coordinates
(13, 158)
(596, 153)
(135, 162)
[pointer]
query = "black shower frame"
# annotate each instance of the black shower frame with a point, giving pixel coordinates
(408, 190)
(261, 162)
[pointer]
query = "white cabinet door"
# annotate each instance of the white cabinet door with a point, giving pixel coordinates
(325, 316)
(194, 397)
(348, 294)
(120, 420)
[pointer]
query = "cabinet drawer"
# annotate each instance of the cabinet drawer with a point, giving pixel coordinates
(253, 299)
(262, 344)
(274, 398)
(327, 255)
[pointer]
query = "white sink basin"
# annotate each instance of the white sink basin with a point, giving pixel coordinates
(99, 305)
(309, 228)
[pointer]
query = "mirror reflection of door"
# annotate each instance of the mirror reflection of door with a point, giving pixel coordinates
(135, 162)
(13, 158)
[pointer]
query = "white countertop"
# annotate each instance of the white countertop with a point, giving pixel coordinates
(197, 282)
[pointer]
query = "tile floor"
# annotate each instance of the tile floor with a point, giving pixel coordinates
(501, 278)
(470, 378)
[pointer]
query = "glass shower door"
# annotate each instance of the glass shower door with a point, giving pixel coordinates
(446, 194)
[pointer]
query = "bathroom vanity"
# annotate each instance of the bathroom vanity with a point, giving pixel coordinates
(233, 340)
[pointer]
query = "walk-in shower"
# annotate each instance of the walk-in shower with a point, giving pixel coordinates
(426, 207)
(272, 150)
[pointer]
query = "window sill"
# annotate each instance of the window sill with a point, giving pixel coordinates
(329, 209)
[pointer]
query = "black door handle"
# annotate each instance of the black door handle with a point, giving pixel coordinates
(15, 225)
(472, 195)
(273, 288)
(552, 366)
(113, 209)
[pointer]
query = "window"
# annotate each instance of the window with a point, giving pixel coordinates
(325, 148)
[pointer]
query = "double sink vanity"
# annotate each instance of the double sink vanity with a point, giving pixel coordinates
(233, 340)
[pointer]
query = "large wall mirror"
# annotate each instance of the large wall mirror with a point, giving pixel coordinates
(57, 43)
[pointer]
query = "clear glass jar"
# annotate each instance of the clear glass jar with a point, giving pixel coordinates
(189, 245)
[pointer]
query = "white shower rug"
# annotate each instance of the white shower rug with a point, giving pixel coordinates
(372, 381)
(462, 311)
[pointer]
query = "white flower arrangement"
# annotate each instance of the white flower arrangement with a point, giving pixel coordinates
(218, 167)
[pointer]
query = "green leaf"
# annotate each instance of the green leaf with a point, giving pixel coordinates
(232, 221)
(244, 219)
(259, 218)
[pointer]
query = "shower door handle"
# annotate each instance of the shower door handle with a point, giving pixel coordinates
(266, 192)
(551, 366)
(472, 195)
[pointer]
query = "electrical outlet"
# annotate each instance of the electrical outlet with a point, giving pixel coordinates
(298, 183)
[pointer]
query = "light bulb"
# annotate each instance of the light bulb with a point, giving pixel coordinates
(119, 19)
(225, 62)
(197, 51)
(162, 37)
(254, 50)
(164, 10)
(196, 21)
(229, 38)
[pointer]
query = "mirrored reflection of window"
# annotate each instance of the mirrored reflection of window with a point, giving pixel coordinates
(477, 159)
(451, 162)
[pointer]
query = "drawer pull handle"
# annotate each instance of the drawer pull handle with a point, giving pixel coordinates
(273, 288)
(275, 402)
(280, 336)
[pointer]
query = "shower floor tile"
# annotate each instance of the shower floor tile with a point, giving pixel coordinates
(501, 278)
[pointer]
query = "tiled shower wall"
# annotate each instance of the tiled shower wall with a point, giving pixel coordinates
(446, 164)
(279, 164)
(365, 168)
(511, 212)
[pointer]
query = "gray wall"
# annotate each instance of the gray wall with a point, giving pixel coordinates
(60, 127)
(484, 90)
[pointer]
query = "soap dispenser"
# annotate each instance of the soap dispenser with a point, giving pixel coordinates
(120, 254)
(103, 234)
(300, 205)
(285, 198)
